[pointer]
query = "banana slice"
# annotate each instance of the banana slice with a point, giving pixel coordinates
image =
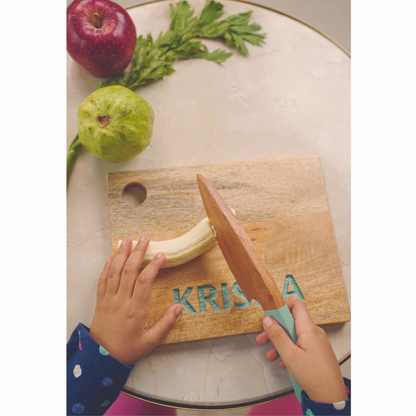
(182, 249)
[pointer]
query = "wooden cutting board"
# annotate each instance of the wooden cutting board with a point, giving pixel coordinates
(282, 205)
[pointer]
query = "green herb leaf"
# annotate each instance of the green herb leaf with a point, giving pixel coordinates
(211, 12)
(152, 60)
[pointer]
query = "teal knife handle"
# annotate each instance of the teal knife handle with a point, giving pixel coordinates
(285, 319)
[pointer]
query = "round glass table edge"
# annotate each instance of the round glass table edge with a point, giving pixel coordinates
(225, 406)
(267, 399)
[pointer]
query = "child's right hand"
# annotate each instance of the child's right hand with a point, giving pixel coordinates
(311, 362)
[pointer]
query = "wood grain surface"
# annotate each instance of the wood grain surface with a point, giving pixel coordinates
(282, 205)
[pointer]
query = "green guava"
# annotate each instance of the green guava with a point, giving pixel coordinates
(115, 124)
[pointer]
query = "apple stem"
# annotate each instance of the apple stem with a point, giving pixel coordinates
(96, 20)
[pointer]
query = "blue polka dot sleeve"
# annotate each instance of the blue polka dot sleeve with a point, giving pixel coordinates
(94, 377)
(311, 408)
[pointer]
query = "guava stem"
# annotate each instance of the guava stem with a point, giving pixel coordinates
(72, 155)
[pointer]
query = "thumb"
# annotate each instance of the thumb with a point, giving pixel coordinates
(277, 335)
(162, 327)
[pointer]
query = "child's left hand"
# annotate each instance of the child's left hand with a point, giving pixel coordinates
(119, 323)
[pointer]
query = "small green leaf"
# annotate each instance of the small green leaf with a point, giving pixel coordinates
(213, 30)
(254, 39)
(211, 12)
(240, 45)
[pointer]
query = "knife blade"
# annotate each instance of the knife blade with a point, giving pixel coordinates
(246, 264)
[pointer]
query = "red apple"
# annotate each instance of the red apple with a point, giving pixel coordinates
(101, 36)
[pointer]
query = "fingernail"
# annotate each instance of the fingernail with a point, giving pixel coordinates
(109, 259)
(159, 255)
(267, 321)
(178, 310)
(142, 238)
(125, 241)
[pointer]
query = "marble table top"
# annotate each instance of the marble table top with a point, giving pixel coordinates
(289, 97)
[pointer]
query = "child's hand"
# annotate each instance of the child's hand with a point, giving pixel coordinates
(311, 362)
(119, 323)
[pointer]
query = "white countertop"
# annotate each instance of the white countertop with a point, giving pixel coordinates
(290, 97)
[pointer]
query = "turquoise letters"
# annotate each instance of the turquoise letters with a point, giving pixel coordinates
(289, 279)
(237, 291)
(203, 299)
(225, 296)
(207, 299)
(184, 300)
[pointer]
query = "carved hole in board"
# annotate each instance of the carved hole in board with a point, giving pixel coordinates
(134, 194)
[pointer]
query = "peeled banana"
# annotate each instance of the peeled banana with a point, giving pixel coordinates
(179, 250)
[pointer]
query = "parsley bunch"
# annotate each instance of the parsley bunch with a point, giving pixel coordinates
(152, 60)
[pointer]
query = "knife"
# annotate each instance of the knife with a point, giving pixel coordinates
(246, 264)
